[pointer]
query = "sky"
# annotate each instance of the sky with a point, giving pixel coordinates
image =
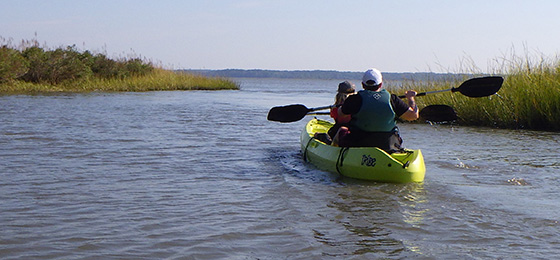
(354, 35)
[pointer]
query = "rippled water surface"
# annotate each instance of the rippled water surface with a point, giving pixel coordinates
(204, 175)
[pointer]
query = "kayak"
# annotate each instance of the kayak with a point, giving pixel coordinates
(366, 163)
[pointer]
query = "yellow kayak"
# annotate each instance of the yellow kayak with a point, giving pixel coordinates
(366, 163)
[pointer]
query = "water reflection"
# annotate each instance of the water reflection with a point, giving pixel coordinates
(370, 214)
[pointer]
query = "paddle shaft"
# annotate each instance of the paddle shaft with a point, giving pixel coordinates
(432, 113)
(319, 108)
(429, 92)
(319, 113)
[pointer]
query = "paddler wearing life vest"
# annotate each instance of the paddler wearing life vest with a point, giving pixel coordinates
(373, 112)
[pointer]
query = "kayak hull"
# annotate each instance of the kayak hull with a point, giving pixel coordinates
(365, 163)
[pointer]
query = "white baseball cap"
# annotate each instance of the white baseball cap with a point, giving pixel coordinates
(372, 75)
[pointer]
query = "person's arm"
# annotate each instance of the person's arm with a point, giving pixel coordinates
(334, 113)
(342, 118)
(351, 106)
(412, 112)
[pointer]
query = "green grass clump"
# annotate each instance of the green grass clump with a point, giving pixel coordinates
(29, 68)
(533, 96)
(528, 99)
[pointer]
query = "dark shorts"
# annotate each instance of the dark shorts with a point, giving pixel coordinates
(332, 131)
(388, 141)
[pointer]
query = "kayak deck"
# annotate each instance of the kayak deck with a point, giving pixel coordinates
(366, 163)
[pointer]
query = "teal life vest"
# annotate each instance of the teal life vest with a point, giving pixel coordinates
(376, 113)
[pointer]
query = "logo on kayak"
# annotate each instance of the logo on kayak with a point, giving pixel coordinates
(368, 160)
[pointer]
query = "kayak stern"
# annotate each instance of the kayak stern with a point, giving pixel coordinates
(366, 163)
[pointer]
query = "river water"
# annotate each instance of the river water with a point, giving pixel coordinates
(204, 175)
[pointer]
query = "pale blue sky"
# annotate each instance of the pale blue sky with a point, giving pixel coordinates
(391, 35)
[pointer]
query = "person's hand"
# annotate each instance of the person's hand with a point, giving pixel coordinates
(410, 94)
(411, 102)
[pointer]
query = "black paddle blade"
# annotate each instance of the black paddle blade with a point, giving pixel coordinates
(480, 87)
(438, 113)
(285, 114)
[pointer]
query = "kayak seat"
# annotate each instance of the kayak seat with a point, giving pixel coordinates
(323, 137)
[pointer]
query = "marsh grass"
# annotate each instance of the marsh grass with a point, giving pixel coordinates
(161, 80)
(157, 80)
(32, 68)
(528, 99)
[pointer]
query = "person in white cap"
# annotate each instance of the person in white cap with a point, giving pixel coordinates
(373, 113)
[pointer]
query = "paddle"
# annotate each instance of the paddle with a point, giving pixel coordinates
(438, 113)
(433, 113)
(475, 87)
(291, 113)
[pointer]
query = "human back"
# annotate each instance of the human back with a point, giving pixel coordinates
(373, 114)
(376, 113)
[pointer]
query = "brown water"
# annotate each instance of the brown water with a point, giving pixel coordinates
(203, 175)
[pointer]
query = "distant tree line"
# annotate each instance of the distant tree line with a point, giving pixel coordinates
(322, 74)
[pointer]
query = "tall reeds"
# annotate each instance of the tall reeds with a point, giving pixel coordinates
(533, 94)
(528, 99)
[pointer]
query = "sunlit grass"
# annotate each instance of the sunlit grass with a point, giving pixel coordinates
(158, 80)
(164, 80)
